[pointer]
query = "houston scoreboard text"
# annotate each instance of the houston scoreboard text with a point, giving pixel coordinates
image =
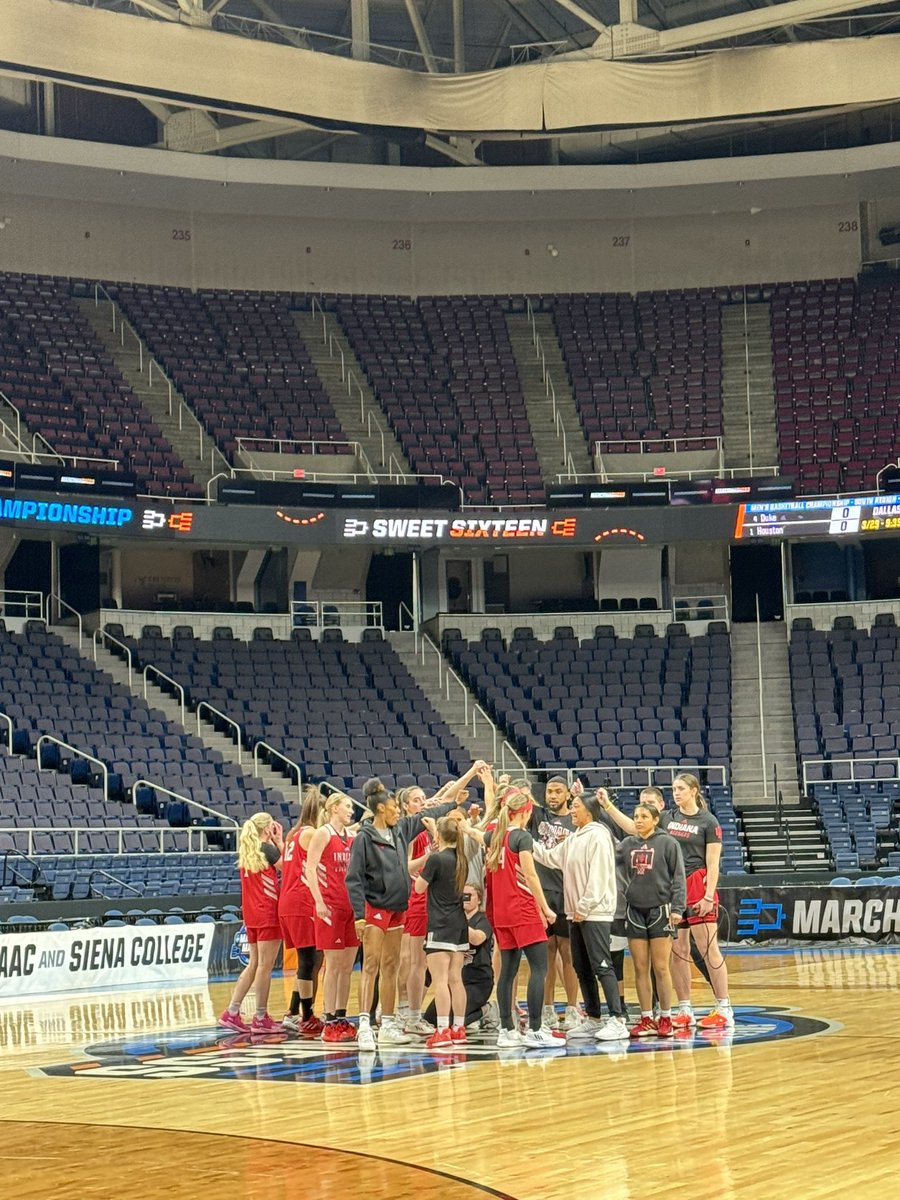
(853, 516)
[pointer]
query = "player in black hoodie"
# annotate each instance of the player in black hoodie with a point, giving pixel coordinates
(378, 884)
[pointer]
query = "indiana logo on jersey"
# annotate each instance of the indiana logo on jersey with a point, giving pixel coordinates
(642, 860)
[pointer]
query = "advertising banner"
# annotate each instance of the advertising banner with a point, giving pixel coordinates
(44, 963)
(810, 914)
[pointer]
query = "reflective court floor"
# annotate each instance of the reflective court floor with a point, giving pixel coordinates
(139, 1094)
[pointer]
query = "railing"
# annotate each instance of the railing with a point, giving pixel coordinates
(158, 787)
(247, 446)
(162, 675)
(9, 731)
(17, 432)
(762, 706)
(550, 392)
(630, 775)
(852, 763)
(100, 635)
(408, 622)
(325, 614)
(60, 605)
(668, 445)
(700, 608)
(16, 603)
(115, 879)
(282, 758)
(672, 473)
(183, 411)
(104, 769)
(204, 704)
(747, 377)
(162, 834)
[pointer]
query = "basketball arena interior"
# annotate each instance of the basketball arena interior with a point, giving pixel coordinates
(388, 386)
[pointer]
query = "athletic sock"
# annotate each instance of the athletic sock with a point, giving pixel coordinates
(363, 1020)
(665, 1012)
(307, 1006)
(726, 1003)
(341, 1014)
(329, 1018)
(295, 1004)
(648, 1015)
(234, 1009)
(260, 1013)
(443, 1022)
(413, 1015)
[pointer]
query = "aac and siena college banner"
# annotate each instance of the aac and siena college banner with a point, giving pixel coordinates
(810, 914)
(76, 960)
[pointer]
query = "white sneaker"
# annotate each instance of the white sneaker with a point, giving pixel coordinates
(291, 1023)
(549, 1019)
(614, 1030)
(365, 1038)
(420, 1028)
(490, 1017)
(586, 1031)
(402, 1014)
(507, 1038)
(572, 1018)
(391, 1034)
(540, 1039)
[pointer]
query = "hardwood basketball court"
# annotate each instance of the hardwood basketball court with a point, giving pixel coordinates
(804, 1102)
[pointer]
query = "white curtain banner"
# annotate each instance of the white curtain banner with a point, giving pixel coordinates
(43, 963)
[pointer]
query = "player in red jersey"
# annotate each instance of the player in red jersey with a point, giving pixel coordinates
(260, 847)
(411, 971)
(327, 859)
(520, 915)
(296, 913)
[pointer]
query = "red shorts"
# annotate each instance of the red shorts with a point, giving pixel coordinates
(516, 937)
(696, 890)
(416, 923)
(340, 934)
(298, 931)
(384, 918)
(266, 933)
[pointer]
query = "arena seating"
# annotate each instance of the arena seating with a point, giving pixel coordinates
(606, 700)
(645, 366)
(239, 361)
(68, 389)
(56, 691)
(123, 876)
(343, 710)
(836, 351)
(444, 372)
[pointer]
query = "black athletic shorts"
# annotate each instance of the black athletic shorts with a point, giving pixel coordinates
(560, 927)
(644, 924)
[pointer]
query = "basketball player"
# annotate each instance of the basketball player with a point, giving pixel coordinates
(519, 914)
(477, 972)
(327, 859)
(443, 878)
(587, 862)
(297, 916)
(551, 824)
(260, 847)
(655, 898)
(378, 884)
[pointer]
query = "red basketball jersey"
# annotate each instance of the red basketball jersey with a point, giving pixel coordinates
(295, 898)
(423, 844)
(259, 898)
(332, 869)
(510, 902)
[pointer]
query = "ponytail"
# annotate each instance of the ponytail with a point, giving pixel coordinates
(250, 855)
(498, 839)
(453, 837)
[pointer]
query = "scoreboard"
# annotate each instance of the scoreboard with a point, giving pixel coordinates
(855, 516)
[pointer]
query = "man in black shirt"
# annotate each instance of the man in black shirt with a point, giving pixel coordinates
(551, 823)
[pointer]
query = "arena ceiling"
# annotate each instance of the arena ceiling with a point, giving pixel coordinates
(653, 80)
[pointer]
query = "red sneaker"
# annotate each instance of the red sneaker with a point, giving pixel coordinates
(719, 1020)
(646, 1027)
(440, 1039)
(684, 1020)
(311, 1028)
(334, 1032)
(233, 1021)
(664, 1027)
(458, 1033)
(265, 1024)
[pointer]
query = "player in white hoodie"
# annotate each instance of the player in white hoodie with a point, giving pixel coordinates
(587, 859)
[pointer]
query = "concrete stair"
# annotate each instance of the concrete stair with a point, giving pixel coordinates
(538, 405)
(788, 839)
(748, 390)
(276, 787)
(180, 427)
(385, 456)
(750, 785)
(455, 704)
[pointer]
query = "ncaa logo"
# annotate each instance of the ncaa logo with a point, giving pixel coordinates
(240, 947)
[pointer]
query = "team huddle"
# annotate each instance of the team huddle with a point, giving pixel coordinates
(456, 892)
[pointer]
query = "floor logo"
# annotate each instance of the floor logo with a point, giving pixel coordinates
(207, 1053)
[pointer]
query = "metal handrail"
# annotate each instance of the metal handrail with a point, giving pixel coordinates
(852, 763)
(549, 389)
(283, 758)
(747, 377)
(762, 707)
(228, 721)
(60, 605)
(168, 678)
(162, 832)
(99, 634)
(9, 740)
(32, 602)
(104, 769)
(4, 399)
(158, 787)
(599, 776)
(115, 879)
(403, 608)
